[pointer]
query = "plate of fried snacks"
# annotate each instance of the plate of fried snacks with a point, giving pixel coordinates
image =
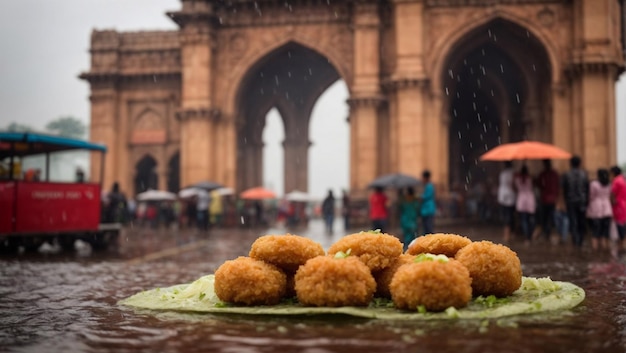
(367, 274)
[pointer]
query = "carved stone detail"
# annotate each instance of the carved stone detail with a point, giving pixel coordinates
(197, 113)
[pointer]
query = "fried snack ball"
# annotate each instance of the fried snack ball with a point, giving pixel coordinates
(439, 243)
(434, 284)
(287, 251)
(330, 281)
(376, 250)
(250, 282)
(494, 268)
(384, 276)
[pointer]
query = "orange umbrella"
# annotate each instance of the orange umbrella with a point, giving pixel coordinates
(525, 150)
(258, 193)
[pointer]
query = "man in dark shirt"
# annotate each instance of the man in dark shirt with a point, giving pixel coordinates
(548, 184)
(576, 193)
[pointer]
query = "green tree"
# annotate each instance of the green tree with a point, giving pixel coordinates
(67, 126)
(15, 127)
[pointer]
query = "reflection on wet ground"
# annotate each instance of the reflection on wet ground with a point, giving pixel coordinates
(67, 302)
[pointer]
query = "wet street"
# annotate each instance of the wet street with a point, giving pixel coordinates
(53, 302)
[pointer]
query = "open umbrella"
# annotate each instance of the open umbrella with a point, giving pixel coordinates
(189, 193)
(298, 196)
(207, 185)
(525, 150)
(258, 193)
(156, 195)
(396, 180)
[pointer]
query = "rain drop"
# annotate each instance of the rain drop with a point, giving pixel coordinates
(489, 31)
(288, 73)
(501, 68)
(450, 73)
(474, 105)
(534, 67)
(220, 20)
(478, 114)
(154, 78)
(447, 92)
(492, 94)
(276, 79)
(463, 158)
(484, 129)
(310, 72)
(454, 112)
(262, 91)
(517, 97)
(459, 132)
(495, 39)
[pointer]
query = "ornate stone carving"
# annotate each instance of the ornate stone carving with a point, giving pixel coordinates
(484, 3)
(546, 17)
(373, 101)
(149, 120)
(197, 113)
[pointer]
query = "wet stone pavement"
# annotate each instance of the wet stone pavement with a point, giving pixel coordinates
(53, 302)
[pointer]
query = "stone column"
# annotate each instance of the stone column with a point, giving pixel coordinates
(103, 130)
(366, 96)
(597, 58)
(409, 84)
(296, 167)
(196, 150)
(561, 118)
(197, 114)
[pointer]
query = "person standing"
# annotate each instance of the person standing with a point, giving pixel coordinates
(548, 185)
(618, 197)
(506, 199)
(575, 187)
(328, 211)
(599, 210)
(525, 204)
(409, 212)
(202, 210)
(216, 208)
(345, 210)
(378, 209)
(428, 206)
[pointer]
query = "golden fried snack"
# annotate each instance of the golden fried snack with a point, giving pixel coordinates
(384, 276)
(250, 282)
(376, 250)
(495, 269)
(330, 281)
(439, 243)
(434, 285)
(287, 251)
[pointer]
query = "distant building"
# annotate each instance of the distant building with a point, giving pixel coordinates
(433, 84)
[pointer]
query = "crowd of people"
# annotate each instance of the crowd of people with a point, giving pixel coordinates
(411, 209)
(570, 203)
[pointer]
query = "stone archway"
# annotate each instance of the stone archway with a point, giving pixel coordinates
(146, 176)
(496, 80)
(289, 78)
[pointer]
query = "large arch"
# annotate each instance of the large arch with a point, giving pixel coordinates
(496, 82)
(290, 78)
(146, 176)
(468, 25)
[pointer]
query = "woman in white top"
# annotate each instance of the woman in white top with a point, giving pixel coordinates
(599, 210)
(525, 204)
(506, 198)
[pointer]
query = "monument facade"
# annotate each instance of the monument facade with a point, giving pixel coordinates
(433, 84)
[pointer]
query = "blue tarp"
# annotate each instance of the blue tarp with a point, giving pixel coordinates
(42, 143)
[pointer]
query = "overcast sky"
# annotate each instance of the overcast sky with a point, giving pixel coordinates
(45, 47)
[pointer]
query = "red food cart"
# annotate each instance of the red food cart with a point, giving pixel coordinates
(34, 209)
